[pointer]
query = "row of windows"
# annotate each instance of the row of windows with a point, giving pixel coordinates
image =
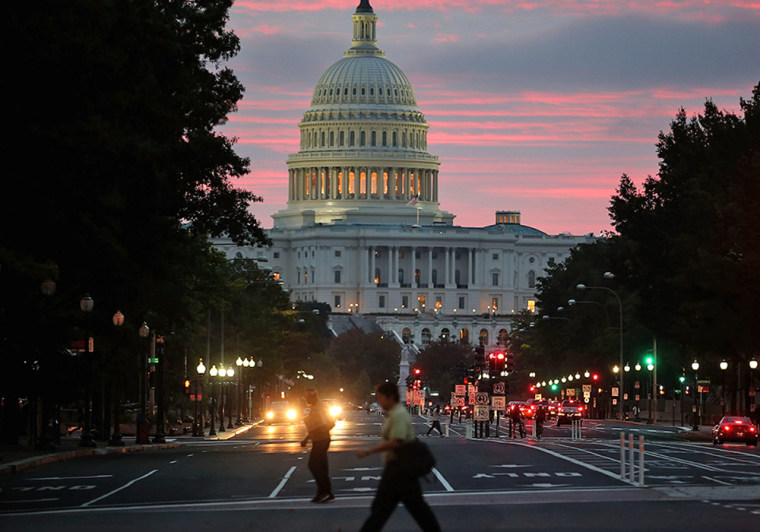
(337, 277)
(321, 139)
(385, 94)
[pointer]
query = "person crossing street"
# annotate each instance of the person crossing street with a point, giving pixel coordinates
(436, 418)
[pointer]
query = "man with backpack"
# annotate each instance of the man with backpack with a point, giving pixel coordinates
(395, 484)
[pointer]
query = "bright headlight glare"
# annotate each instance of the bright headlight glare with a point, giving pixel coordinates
(270, 414)
(291, 414)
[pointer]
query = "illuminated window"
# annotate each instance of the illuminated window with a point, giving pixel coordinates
(532, 305)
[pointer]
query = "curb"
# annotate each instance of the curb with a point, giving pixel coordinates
(14, 467)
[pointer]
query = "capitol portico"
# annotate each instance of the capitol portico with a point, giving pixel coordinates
(363, 230)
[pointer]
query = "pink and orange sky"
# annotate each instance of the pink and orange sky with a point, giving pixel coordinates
(537, 106)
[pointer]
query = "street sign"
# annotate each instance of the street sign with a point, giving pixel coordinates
(586, 388)
(703, 381)
(570, 392)
(499, 402)
(460, 389)
(481, 398)
(460, 402)
(471, 389)
(481, 413)
(498, 388)
(471, 399)
(152, 360)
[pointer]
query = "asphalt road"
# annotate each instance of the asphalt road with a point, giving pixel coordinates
(259, 481)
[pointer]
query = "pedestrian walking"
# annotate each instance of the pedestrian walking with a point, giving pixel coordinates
(436, 417)
(395, 485)
(318, 423)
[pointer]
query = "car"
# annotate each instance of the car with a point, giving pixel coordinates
(550, 409)
(568, 411)
(281, 412)
(335, 409)
(528, 409)
(735, 428)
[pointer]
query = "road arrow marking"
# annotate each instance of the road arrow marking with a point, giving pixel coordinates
(483, 475)
(70, 478)
(512, 465)
(547, 485)
(364, 469)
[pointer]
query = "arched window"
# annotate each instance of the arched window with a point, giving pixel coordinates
(342, 137)
(385, 138)
(434, 280)
(352, 138)
(417, 276)
(395, 140)
(406, 335)
(483, 337)
(464, 336)
(503, 336)
(445, 334)
(373, 139)
(401, 276)
(531, 279)
(377, 275)
(426, 336)
(362, 138)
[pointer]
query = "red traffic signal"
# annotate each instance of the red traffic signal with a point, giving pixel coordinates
(595, 376)
(417, 371)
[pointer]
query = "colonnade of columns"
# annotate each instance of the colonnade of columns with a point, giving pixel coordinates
(438, 271)
(362, 182)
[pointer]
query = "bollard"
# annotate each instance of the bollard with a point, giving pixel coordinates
(447, 428)
(641, 461)
(533, 429)
(622, 456)
(468, 428)
(631, 458)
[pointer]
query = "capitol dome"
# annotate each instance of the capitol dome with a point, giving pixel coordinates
(363, 154)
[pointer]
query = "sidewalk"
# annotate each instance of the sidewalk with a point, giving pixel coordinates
(15, 458)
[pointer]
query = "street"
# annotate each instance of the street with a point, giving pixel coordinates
(259, 480)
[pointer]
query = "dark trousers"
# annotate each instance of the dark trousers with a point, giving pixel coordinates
(318, 466)
(394, 488)
(436, 425)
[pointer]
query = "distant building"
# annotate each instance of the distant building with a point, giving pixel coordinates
(363, 231)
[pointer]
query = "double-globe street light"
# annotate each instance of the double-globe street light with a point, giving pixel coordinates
(86, 304)
(695, 367)
(115, 440)
(609, 275)
(198, 418)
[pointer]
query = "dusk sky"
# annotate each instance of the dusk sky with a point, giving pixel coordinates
(536, 106)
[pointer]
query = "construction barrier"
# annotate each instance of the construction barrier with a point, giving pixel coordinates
(576, 429)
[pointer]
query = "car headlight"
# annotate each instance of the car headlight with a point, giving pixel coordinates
(335, 410)
(291, 414)
(270, 414)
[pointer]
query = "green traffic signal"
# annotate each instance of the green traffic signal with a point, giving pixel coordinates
(649, 360)
(554, 387)
(682, 379)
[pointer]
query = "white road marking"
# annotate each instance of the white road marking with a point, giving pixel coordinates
(442, 480)
(70, 478)
(572, 460)
(31, 500)
(282, 483)
(125, 486)
(717, 481)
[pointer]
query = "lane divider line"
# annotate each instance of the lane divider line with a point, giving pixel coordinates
(282, 482)
(125, 486)
(442, 480)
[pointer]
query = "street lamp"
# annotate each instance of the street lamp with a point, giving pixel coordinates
(723, 367)
(695, 367)
(118, 321)
(222, 402)
(230, 374)
(240, 364)
(200, 370)
(609, 275)
(86, 305)
(213, 372)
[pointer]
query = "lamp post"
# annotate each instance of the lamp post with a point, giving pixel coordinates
(200, 370)
(144, 332)
(239, 363)
(86, 305)
(222, 374)
(213, 372)
(695, 367)
(723, 367)
(160, 411)
(230, 374)
(608, 275)
(751, 392)
(118, 321)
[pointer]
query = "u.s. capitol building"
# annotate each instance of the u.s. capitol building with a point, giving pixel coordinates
(363, 230)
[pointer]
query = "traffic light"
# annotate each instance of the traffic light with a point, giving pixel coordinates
(186, 386)
(595, 377)
(510, 362)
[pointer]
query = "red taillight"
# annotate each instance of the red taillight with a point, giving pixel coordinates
(738, 421)
(726, 427)
(752, 429)
(580, 409)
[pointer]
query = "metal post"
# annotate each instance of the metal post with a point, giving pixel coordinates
(656, 392)
(631, 458)
(212, 408)
(622, 456)
(641, 461)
